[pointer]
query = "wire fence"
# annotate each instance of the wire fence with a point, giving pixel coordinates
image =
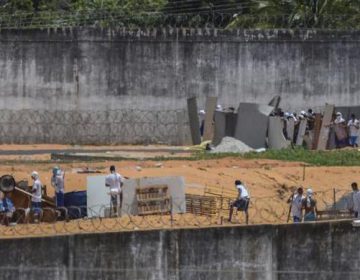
(201, 211)
(93, 127)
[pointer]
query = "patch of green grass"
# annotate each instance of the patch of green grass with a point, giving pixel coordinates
(325, 158)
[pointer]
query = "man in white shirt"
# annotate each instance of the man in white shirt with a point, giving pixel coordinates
(57, 181)
(296, 201)
(242, 201)
(355, 208)
(354, 126)
(114, 181)
(36, 198)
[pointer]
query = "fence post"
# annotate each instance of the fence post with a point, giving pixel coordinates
(334, 200)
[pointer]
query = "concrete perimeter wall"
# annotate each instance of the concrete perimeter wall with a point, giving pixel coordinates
(71, 77)
(305, 251)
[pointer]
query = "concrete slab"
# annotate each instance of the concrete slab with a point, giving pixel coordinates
(325, 127)
(97, 196)
(220, 127)
(225, 123)
(290, 128)
(276, 138)
(301, 132)
(252, 124)
(210, 106)
(176, 190)
(194, 120)
(275, 101)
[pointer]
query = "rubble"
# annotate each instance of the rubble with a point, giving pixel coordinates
(231, 145)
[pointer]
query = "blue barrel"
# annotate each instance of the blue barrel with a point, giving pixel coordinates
(77, 199)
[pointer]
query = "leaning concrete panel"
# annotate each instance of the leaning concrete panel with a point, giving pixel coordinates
(176, 190)
(276, 136)
(290, 127)
(301, 132)
(252, 124)
(194, 120)
(209, 118)
(220, 126)
(325, 127)
(275, 101)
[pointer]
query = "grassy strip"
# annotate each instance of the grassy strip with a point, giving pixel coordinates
(323, 158)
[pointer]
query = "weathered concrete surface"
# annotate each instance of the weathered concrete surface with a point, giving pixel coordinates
(98, 70)
(194, 120)
(276, 138)
(304, 251)
(325, 127)
(210, 106)
(252, 124)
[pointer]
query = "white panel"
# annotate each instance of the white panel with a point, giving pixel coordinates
(97, 196)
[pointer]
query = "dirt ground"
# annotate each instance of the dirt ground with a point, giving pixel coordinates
(267, 180)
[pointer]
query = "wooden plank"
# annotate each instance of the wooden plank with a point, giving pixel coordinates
(194, 120)
(325, 127)
(210, 106)
(317, 127)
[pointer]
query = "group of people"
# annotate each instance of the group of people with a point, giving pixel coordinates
(7, 207)
(114, 181)
(300, 203)
(346, 133)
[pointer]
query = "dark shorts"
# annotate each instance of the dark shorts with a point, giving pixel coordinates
(241, 204)
(114, 200)
(36, 207)
(59, 199)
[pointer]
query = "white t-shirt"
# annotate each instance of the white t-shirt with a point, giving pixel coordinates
(296, 206)
(37, 194)
(354, 131)
(244, 192)
(58, 182)
(113, 181)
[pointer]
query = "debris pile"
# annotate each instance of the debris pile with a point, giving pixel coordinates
(231, 145)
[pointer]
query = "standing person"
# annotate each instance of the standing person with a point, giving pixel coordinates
(36, 198)
(296, 201)
(355, 207)
(57, 181)
(354, 126)
(309, 204)
(340, 130)
(202, 122)
(242, 201)
(7, 208)
(114, 181)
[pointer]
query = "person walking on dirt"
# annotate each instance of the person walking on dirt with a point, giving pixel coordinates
(309, 205)
(296, 205)
(36, 198)
(114, 181)
(242, 201)
(355, 196)
(57, 181)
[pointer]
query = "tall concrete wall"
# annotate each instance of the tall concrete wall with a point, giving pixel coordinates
(304, 251)
(99, 70)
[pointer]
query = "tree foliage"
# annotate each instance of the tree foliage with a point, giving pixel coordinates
(332, 14)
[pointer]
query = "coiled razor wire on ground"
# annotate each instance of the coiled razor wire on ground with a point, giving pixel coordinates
(92, 127)
(69, 220)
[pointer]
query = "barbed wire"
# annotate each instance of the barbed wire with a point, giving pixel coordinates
(93, 127)
(201, 211)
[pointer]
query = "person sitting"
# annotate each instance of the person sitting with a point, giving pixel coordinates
(242, 201)
(7, 208)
